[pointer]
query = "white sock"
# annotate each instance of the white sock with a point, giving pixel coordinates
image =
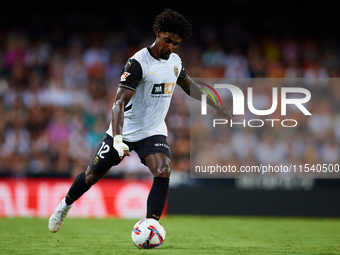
(64, 205)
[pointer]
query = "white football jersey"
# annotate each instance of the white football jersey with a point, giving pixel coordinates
(153, 81)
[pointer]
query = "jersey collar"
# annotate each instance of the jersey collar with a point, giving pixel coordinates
(160, 59)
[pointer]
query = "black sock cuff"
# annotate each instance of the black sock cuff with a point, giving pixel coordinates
(161, 181)
(77, 189)
(82, 177)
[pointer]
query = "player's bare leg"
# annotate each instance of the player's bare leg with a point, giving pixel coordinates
(159, 165)
(81, 184)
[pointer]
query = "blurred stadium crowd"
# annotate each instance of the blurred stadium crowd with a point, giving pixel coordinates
(56, 94)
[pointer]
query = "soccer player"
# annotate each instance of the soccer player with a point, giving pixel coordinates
(138, 116)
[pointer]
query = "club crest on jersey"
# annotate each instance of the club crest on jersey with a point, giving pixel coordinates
(96, 159)
(176, 71)
(124, 75)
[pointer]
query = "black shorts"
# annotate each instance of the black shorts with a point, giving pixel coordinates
(106, 156)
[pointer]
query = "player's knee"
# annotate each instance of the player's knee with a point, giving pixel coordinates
(91, 177)
(163, 171)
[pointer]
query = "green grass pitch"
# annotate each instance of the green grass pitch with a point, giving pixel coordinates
(185, 235)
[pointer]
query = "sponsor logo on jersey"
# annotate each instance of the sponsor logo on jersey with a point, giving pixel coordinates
(176, 71)
(124, 75)
(163, 89)
(168, 88)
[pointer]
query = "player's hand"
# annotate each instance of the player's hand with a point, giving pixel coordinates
(120, 147)
(224, 113)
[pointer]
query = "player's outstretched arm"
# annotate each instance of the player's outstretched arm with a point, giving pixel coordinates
(194, 90)
(123, 97)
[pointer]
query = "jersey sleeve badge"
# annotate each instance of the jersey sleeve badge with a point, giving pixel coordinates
(124, 75)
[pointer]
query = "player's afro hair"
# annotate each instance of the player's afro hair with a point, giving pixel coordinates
(172, 22)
